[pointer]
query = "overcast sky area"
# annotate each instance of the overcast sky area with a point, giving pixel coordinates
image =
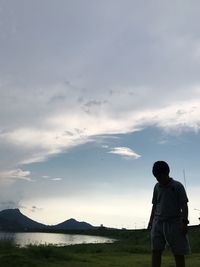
(92, 93)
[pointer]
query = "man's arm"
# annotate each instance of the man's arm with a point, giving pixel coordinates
(184, 212)
(151, 218)
(184, 216)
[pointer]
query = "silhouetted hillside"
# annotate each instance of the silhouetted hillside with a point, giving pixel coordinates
(72, 224)
(14, 220)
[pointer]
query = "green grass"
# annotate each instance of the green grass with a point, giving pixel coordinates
(132, 249)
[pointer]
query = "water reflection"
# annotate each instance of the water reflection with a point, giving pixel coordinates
(24, 239)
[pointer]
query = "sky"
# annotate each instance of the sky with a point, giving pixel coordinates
(92, 93)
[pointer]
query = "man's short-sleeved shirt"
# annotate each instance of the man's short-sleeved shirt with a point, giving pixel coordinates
(169, 199)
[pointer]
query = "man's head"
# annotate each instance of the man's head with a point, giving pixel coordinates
(161, 171)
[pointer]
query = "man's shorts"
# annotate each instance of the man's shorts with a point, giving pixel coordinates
(163, 233)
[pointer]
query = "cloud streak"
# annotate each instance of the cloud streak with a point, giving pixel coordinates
(63, 131)
(57, 179)
(125, 151)
(13, 175)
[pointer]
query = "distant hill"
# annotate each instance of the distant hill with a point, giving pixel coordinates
(72, 224)
(14, 220)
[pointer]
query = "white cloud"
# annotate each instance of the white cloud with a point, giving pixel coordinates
(56, 179)
(46, 176)
(12, 175)
(125, 151)
(105, 146)
(37, 142)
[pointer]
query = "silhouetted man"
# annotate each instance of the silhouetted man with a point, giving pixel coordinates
(169, 217)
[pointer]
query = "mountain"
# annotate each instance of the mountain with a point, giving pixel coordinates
(72, 224)
(14, 220)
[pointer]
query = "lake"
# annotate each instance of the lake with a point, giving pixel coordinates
(24, 239)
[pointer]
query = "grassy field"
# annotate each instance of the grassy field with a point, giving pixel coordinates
(132, 249)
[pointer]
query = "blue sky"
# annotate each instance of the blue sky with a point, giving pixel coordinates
(91, 94)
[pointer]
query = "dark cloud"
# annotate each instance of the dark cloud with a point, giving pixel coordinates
(93, 103)
(35, 209)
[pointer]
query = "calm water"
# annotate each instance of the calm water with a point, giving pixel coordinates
(24, 239)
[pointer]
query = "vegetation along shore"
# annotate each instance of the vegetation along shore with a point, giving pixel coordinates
(132, 248)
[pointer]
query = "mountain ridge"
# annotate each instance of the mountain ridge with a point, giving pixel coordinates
(14, 220)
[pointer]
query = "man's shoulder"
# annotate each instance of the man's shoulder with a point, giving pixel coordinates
(176, 183)
(156, 185)
(173, 184)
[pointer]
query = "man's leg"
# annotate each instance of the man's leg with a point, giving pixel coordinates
(180, 260)
(156, 258)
